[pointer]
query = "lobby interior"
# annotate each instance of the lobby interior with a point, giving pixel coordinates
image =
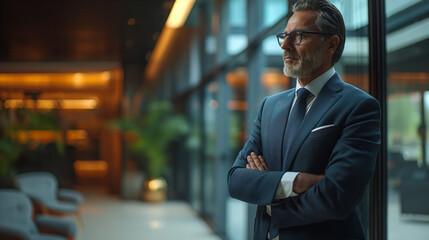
(69, 69)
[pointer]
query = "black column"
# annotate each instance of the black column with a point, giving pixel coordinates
(377, 76)
(423, 128)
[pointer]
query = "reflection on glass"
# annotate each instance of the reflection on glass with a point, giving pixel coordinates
(272, 78)
(237, 13)
(407, 119)
(210, 106)
(194, 145)
(274, 81)
(236, 211)
(235, 43)
(353, 65)
(274, 10)
(236, 40)
(237, 81)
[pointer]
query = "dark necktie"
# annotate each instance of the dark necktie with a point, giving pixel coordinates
(295, 119)
(292, 128)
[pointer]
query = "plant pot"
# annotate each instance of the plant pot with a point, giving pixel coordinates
(132, 184)
(155, 190)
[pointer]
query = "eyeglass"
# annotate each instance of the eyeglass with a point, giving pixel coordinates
(295, 36)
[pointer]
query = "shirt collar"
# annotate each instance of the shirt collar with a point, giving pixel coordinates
(317, 84)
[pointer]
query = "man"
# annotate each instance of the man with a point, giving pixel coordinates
(312, 149)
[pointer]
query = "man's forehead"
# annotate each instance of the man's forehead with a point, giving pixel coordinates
(302, 20)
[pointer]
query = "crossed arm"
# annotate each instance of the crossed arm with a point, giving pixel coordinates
(335, 195)
(302, 182)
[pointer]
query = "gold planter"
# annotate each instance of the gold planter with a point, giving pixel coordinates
(155, 190)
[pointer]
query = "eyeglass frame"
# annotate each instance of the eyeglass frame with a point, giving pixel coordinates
(300, 32)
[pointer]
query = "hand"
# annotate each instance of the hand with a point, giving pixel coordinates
(256, 162)
(304, 181)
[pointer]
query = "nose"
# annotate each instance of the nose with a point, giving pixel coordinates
(287, 43)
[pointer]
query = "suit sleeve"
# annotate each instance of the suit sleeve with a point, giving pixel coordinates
(349, 170)
(249, 185)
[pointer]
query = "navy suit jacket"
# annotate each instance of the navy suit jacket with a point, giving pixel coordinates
(339, 138)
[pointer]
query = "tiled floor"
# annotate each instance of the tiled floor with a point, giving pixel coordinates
(404, 227)
(107, 217)
(110, 218)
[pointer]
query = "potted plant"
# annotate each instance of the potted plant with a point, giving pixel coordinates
(148, 137)
(10, 150)
(14, 141)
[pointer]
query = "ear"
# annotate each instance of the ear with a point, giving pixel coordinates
(331, 44)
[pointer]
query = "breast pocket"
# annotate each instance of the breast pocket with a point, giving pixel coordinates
(316, 150)
(324, 130)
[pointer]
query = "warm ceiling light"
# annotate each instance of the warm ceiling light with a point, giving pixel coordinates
(77, 134)
(159, 52)
(51, 104)
(46, 104)
(79, 104)
(90, 167)
(54, 80)
(105, 76)
(179, 13)
(43, 136)
(78, 79)
(131, 21)
(14, 103)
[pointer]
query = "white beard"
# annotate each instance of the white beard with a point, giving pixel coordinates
(306, 66)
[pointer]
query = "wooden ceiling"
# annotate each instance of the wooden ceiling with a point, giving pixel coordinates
(77, 36)
(80, 30)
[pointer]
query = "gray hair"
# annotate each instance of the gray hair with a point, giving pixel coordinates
(329, 20)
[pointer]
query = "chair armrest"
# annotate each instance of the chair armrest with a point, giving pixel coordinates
(56, 224)
(70, 195)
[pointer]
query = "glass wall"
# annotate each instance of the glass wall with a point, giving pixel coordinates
(194, 151)
(237, 81)
(236, 37)
(407, 37)
(234, 60)
(210, 106)
(353, 66)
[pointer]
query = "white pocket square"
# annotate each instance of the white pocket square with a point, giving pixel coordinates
(322, 127)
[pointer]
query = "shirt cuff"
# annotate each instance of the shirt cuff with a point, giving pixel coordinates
(285, 188)
(269, 210)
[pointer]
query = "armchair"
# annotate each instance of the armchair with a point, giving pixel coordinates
(42, 188)
(16, 218)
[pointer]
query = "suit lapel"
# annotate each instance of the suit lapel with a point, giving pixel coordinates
(277, 128)
(329, 94)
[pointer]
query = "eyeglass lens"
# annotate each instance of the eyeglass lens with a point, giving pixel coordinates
(295, 37)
